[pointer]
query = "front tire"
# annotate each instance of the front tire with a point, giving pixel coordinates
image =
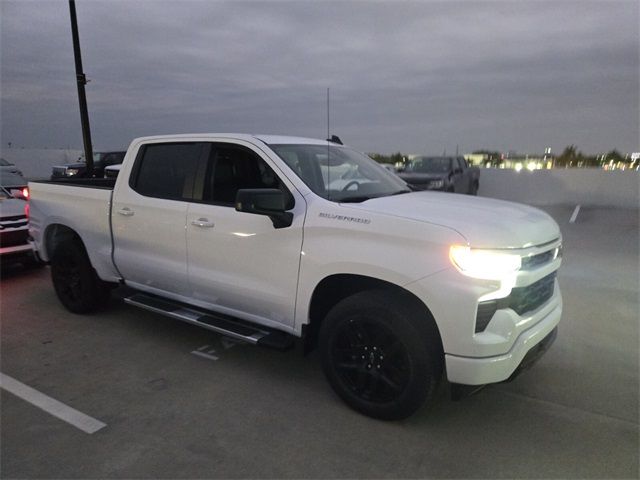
(75, 281)
(378, 357)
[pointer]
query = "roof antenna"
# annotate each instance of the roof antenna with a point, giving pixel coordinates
(328, 149)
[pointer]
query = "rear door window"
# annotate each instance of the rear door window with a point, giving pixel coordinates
(167, 170)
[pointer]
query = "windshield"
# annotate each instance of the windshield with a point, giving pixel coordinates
(339, 173)
(430, 165)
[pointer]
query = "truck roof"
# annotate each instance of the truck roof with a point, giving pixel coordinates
(268, 139)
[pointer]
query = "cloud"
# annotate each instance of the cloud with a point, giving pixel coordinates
(410, 76)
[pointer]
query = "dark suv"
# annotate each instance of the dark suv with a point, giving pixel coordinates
(79, 169)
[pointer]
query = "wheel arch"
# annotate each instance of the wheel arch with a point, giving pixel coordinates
(57, 233)
(334, 288)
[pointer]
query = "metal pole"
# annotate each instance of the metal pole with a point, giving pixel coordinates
(81, 80)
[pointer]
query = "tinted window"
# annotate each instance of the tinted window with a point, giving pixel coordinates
(114, 158)
(167, 170)
(232, 167)
(431, 165)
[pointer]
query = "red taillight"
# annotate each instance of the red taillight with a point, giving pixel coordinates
(25, 193)
(26, 210)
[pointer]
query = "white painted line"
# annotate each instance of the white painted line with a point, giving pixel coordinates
(228, 343)
(50, 405)
(205, 355)
(576, 211)
(204, 347)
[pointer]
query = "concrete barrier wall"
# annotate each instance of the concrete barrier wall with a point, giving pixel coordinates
(588, 187)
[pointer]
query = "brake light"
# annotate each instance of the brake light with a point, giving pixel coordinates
(26, 210)
(25, 193)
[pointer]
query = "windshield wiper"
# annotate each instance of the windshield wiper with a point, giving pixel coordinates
(399, 192)
(361, 198)
(364, 198)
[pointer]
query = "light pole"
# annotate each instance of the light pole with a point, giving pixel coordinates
(81, 81)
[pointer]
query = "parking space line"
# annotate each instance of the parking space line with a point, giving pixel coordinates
(50, 405)
(228, 343)
(574, 216)
(208, 355)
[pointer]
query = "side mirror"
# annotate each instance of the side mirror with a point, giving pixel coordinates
(265, 201)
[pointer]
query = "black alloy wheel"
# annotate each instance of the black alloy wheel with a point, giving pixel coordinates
(370, 360)
(380, 354)
(74, 279)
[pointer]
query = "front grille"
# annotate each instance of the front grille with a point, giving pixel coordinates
(521, 300)
(526, 299)
(418, 187)
(59, 171)
(529, 263)
(4, 220)
(13, 238)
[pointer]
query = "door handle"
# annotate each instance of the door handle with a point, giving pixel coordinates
(202, 223)
(126, 212)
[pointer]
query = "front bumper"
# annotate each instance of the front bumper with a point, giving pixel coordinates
(484, 346)
(423, 187)
(527, 349)
(17, 252)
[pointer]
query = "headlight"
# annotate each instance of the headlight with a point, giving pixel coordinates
(71, 172)
(484, 264)
(436, 183)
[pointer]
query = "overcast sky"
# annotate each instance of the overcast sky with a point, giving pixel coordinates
(416, 77)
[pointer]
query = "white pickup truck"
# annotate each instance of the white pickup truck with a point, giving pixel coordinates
(269, 238)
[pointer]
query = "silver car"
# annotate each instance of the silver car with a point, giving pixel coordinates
(8, 167)
(14, 230)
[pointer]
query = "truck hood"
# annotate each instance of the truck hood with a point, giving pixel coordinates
(483, 222)
(419, 178)
(72, 165)
(11, 207)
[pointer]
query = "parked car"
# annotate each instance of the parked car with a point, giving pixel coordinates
(15, 184)
(15, 244)
(448, 174)
(8, 167)
(79, 169)
(250, 237)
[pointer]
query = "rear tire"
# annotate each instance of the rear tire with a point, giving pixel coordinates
(378, 356)
(74, 279)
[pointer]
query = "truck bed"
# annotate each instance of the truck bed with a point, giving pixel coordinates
(82, 204)
(103, 183)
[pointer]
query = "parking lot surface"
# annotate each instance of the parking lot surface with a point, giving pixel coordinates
(181, 402)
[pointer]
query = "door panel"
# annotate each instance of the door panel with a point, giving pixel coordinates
(150, 243)
(149, 215)
(238, 262)
(242, 263)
